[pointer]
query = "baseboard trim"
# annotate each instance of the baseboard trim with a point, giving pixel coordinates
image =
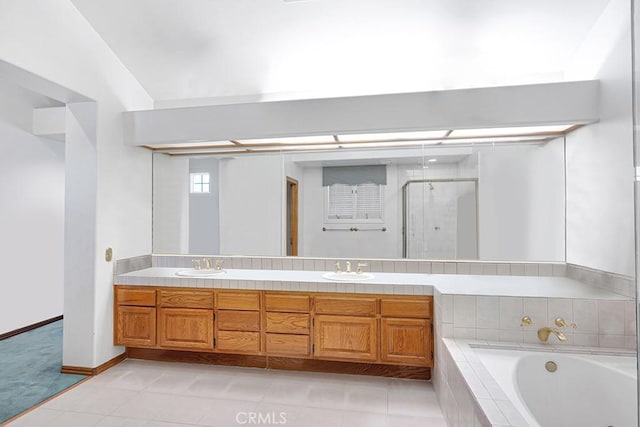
(281, 363)
(81, 370)
(29, 328)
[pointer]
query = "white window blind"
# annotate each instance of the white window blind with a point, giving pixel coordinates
(349, 203)
(368, 201)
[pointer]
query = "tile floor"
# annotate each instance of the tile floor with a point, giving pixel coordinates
(142, 393)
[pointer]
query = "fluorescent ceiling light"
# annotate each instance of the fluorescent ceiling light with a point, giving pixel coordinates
(391, 136)
(516, 130)
(195, 144)
(389, 144)
(290, 140)
(490, 140)
(293, 147)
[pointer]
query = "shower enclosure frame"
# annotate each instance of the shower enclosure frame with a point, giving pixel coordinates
(405, 187)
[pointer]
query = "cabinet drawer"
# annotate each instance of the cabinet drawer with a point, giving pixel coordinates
(230, 320)
(406, 307)
(240, 342)
(287, 303)
(288, 323)
(141, 297)
(239, 300)
(186, 299)
(288, 344)
(353, 306)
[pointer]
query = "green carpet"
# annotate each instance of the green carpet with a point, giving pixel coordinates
(30, 369)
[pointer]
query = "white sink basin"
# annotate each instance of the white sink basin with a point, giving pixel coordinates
(192, 272)
(348, 277)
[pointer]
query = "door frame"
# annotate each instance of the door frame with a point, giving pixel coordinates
(292, 217)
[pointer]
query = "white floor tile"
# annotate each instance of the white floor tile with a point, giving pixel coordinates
(157, 394)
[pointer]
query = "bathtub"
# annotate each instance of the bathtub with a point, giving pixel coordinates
(584, 390)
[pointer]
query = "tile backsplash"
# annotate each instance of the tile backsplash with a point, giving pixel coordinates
(377, 265)
(619, 284)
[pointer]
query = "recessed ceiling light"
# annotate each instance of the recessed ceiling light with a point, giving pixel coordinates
(392, 136)
(514, 130)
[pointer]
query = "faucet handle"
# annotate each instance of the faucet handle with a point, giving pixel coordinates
(526, 321)
(196, 264)
(338, 267)
(360, 265)
(219, 263)
(561, 323)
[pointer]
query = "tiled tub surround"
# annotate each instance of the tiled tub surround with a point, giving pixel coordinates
(603, 319)
(470, 396)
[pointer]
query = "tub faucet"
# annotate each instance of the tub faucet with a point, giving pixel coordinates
(348, 267)
(543, 334)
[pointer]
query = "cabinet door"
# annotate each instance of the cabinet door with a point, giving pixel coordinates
(185, 328)
(136, 326)
(345, 337)
(406, 341)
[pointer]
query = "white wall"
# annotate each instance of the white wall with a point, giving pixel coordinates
(75, 57)
(251, 189)
(600, 221)
(521, 202)
(204, 217)
(170, 204)
(31, 216)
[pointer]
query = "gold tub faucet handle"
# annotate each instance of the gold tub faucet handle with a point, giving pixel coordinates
(526, 321)
(561, 323)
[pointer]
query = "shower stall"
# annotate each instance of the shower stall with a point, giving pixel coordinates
(440, 219)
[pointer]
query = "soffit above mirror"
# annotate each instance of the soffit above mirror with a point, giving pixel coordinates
(523, 114)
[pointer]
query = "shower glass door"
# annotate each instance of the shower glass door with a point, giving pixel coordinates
(440, 219)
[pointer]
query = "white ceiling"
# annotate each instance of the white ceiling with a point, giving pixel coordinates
(252, 48)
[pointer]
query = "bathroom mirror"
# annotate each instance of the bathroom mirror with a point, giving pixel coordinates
(475, 202)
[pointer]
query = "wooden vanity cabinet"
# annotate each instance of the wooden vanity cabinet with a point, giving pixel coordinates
(406, 331)
(185, 319)
(280, 326)
(135, 317)
(345, 327)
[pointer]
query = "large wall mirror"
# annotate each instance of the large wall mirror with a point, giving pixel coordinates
(498, 201)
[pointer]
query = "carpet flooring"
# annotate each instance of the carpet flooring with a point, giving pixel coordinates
(30, 369)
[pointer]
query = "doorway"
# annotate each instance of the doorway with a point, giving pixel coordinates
(292, 217)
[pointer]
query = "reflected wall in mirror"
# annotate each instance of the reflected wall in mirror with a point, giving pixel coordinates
(502, 202)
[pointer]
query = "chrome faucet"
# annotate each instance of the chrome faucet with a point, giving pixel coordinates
(543, 334)
(348, 267)
(207, 263)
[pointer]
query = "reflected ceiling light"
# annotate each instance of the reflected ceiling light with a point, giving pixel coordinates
(289, 140)
(432, 160)
(514, 130)
(392, 136)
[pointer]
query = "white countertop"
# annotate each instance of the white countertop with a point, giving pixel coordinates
(382, 283)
